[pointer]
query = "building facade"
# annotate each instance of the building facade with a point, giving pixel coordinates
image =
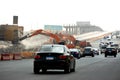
(10, 32)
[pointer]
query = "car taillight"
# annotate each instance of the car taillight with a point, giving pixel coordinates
(113, 49)
(37, 57)
(76, 53)
(62, 57)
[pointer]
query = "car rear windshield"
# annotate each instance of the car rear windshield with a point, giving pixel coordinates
(87, 49)
(110, 49)
(74, 50)
(59, 49)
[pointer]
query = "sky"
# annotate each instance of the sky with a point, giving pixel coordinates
(34, 14)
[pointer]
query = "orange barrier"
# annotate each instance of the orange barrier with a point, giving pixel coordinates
(27, 54)
(11, 56)
(0, 57)
(17, 56)
(5, 56)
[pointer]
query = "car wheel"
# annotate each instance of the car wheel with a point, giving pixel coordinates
(67, 69)
(36, 70)
(79, 56)
(44, 70)
(92, 55)
(73, 70)
(114, 55)
(105, 55)
(98, 54)
(83, 55)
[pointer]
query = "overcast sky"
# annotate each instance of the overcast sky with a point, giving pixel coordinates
(34, 14)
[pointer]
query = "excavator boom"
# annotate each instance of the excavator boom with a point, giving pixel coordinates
(65, 39)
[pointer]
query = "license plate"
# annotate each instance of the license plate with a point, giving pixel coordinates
(49, 58)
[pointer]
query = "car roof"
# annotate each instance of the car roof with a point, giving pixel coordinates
(109, 47)
(52, 45)
(73, 48)
(95, 48)
(88, 47)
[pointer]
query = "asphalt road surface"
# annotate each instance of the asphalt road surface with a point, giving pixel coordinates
(87, 68)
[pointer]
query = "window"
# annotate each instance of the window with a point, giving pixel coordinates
(52, 49)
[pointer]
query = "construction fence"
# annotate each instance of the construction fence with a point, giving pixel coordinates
(16, 52)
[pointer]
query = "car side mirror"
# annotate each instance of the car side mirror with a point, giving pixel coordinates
(68, 51)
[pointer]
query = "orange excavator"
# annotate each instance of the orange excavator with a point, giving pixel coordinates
(58, 38)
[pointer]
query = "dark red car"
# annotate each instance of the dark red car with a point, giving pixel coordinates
(111, 51)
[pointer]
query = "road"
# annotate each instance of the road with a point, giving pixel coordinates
(87, 68)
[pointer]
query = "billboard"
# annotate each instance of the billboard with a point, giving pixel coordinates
(53, 28)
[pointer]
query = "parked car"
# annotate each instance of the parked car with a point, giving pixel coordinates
(76, 52)
(88, 51)
(54, 56)
(96, 51)
(111, 51)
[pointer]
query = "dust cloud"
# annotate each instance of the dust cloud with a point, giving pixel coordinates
(35, 41)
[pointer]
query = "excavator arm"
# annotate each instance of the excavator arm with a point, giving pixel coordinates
(64, 39)
(43, 32)
(46, 33)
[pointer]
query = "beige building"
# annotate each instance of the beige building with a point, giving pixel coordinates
(11, 32)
